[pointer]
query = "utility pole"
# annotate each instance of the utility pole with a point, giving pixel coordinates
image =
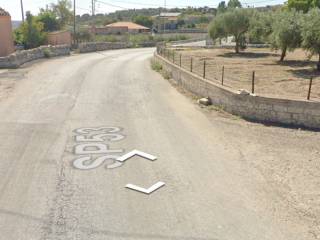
(93, 7)
(22, 13)
(74, 23)
(164, 19)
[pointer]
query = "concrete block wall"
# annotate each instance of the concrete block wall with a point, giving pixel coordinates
(297, 113)
(16, 59)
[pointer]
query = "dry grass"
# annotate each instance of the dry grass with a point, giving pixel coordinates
(289, 79)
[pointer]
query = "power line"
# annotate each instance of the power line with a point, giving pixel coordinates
(159, 6)
(263, 1)
(149, 4)
(112, 5)
(81, 8)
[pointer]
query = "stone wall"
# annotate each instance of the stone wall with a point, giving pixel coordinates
(100, 46)
(270, 110)
(16, 59)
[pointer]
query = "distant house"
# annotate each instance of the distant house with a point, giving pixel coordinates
(120, 28)
(167, 20)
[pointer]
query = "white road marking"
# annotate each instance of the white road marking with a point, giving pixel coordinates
(99, 148)
(87, 130)
(136, 152)
(112, 137)
(116, 164)
(143, 190)
(88, 163)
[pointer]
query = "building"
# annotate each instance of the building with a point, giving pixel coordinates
(6, 39)
(167, 21)
(120, 28)
(59, 38)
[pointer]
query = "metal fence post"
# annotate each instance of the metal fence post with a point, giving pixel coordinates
(180, 60)
(173, 56)
(253, 79)
(191, 63)
(204, 69)
(309, 91)
(222, 77)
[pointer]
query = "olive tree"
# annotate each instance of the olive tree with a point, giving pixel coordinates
(303, 5)
(234, 4)
(62, 10)
(234, 23)
(222, 7)
(260, 27)
(311, 33)
(286, 31)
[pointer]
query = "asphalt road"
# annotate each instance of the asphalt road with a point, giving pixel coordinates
(209, 194)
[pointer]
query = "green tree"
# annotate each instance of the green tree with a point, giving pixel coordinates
(62, 9)
(31, 31)
(143, 20)
(222, 7)
(18, 35)
(286, 31)
(260, 27)
(234, 23)
(234, 4)
(311, 33)
(303, 5)
(49, 20)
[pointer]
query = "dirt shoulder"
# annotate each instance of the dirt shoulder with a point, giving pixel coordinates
(288, 161)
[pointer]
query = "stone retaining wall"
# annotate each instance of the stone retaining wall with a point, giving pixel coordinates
(16, 59)
(264, 109)
(100, 46)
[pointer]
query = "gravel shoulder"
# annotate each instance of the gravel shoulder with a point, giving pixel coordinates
(286, 158)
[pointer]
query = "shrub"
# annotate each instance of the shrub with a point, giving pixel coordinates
(47, 53)
(156, 66)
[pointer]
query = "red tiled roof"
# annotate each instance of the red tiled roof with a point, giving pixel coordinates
(129, 25)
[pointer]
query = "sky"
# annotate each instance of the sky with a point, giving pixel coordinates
(107, 6)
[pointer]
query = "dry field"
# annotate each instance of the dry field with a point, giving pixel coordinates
(289, 79)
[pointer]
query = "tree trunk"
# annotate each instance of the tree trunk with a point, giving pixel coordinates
(237, 45)
(283, 54)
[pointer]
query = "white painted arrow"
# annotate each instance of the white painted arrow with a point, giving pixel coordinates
(146, 191)
(136, 152)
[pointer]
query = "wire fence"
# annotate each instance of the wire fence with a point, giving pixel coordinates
(255, 81)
